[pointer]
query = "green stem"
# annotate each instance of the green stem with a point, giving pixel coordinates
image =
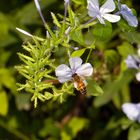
(89, 55)
(91, 48)
(14, 131)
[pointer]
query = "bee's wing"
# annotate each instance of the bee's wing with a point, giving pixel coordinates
(107, 7)
(85, 82)
(75, 85)
(132, 111)
(93, 7)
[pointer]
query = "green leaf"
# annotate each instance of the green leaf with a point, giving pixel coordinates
(125, 49)
(78, 53)
(93, 88)
(48, 95)
(102, 32)
(25, 57)
(115, 123)
(111, 58)
(131, 37)
(80, 124)
(3, 103)
(7, 80)
(80, 2)
(122, 97)
(65, 136)
(71, 16)
(113, 87)
(124, 26)
(77, 36)
(4, 57)
(134, 132)
(55, 20)
(49, 128)
(6, 37)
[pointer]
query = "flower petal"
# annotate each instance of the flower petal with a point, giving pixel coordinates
(131, 110)
(85, 70)
(75, 63)
(138, 76)
(101, 20)
(132, 62)
(64, 79)
(128, 15)
(111, 18)
(93, 8)
(63, 72)
(108, 6)
(66, 1)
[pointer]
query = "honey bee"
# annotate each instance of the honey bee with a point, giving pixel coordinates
(79, 83)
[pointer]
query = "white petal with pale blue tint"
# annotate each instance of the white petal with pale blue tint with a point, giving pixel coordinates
(63, 72)
(85, 70)
(92, 13)
(93, 8)
(75, 62)
(108, 6)
(101, 20)
(128, 15)
(138, 76)
(93, 4)
(111, 18)
(66, 1)
(64, 79)
(131, 110)
(131, 62)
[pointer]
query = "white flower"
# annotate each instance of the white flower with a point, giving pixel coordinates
(65, 73)
(132, 111)
(138, 76)
(127, 14)
(103, 12)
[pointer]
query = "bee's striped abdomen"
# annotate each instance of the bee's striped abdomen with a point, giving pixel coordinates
(82, 88)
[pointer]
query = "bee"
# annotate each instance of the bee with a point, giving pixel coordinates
(79, 83)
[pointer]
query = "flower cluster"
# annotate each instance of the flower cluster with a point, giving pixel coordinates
(65, 73)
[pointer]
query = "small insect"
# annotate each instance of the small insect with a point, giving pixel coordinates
(79, 83)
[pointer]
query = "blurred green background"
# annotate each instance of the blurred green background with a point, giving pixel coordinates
(98, 118)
